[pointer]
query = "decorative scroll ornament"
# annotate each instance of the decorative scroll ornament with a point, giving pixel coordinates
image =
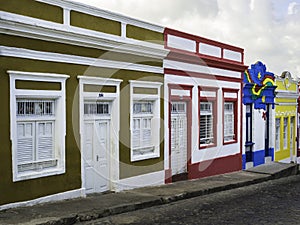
(259, 86)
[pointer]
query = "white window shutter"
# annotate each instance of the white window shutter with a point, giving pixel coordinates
(146, 138)
(45, 140)
(25, 142)
(136, 133)
(182, 132)
(174, 138)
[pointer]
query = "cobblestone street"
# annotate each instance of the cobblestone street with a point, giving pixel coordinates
(272, 202)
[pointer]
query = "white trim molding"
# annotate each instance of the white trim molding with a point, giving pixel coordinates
(287, 94)
(145, 180)
(37, 76)
(84, 8)
(79, 193)
(200, 69)
(24, 26)
(73, 59)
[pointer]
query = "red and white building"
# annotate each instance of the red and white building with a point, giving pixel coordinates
(203, 107)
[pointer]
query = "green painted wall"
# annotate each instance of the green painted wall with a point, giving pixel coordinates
(144, 34)
(39, 45)
(35, 188)
(150, 91)
(99, 88)
(86, 21)
(37, 85)
(30, 189)
(33, 9)
(128, 168)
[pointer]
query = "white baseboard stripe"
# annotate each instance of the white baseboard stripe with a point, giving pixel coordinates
(50, 198)
(151, 179)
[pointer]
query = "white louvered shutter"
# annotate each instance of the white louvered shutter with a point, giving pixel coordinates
(178, 138)
(45, 140)
(146, 138)
(136, 134)
(25, 142)
(174, 139)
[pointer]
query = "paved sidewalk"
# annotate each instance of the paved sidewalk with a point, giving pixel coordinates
(101, 205)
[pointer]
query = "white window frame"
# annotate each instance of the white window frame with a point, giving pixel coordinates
(152, 150)
(58, 120)
(277, 134)
(229, 127)
(285, 133)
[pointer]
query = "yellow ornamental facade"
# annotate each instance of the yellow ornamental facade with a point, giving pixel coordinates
(286, 118)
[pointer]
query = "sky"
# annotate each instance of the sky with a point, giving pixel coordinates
(268, 30)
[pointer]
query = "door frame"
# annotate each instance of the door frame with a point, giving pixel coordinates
(186, 96)
(114, 99)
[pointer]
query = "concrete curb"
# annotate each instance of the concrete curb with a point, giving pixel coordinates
(275, 171)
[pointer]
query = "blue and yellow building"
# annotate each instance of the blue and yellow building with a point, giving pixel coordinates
(286, 117)
(258, 107)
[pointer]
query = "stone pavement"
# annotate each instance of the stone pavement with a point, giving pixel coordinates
(101, 205)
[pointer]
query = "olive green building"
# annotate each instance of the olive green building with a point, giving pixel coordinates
(82, 109)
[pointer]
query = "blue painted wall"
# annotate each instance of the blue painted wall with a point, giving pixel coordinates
(258, 157)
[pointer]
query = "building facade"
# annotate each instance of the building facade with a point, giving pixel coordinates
(286, 118)
(81, 90)
(259, 116)
(298, 126)
(203, 98)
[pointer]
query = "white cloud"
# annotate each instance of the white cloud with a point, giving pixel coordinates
(293, 8)
(250, 24)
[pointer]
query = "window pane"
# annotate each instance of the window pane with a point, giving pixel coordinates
(97, 108)
(178, 107)
(206, 123)
(229, 134)
(35, 107)
(205, 108)
(292, 141)
(285, 132)
(277, 134)
(142, 107)
(206, 129)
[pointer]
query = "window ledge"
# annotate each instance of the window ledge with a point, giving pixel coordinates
(230, 142)
(207, 146)
(40, 174)
(145, 156)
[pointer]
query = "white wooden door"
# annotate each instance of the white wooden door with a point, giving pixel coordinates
(178, 138)
(96, 155)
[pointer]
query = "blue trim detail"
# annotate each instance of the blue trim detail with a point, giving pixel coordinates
(243, 162)
(258, 157)
(259, 87)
